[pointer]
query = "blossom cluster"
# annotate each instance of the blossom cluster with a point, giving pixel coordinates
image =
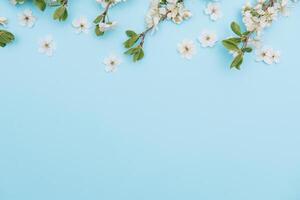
(256, 19)
(159, 10)
(169, 9)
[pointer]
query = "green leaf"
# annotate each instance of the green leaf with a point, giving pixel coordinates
(234, 40)
(6, 38)
(247, 49)
(41, 4)
(131, 51)
(130, 33)
(130, 42)
(65, 15)
(231, 46)
(98, 32)
(60, 13)
(236, 28)
(136, 52)
(237, 62)
(2, 44)
(247, 33)
(98, 19)
(138, 55)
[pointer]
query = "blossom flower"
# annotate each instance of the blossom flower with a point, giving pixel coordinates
(47, 45)
(27, 19)
(275, 55)
(214, 11)
(268, 56)
(208, 39)
(81, 25)
(187, 49)
(265, 55)
(107, 26)
(111, 63)
(3, 21)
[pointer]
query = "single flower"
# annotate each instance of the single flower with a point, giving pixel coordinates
(27, 19)
(214, 11)
(187, 49)
(111, 63)
(275, 55)
(103, 27)
(47, 45)
(3, 21)
(265, 55)
(208, 39)
(81, 25)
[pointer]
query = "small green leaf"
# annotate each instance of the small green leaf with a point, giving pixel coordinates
(235, 40)
(231, 46)
(98, 19)
(131, 51)
(130, 42)
(236, 28)
(247, 49)
(60, 13)
(41, 4)
(247, 33)
(237, 62)
(98, 32)
(130, 33)
(139, 54)
(6, 38)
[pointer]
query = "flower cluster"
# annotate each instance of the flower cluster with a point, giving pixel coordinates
(159, 10)
(255, 18)
(102, 21)
(173, 10)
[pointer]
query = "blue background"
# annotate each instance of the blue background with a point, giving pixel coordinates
(163, 129)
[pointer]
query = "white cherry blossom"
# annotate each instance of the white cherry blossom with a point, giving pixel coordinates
(111, 63)
(187, 49)
(47, 45)
(214, 11)
(81, 25)
(27, 19)
(208, 39)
